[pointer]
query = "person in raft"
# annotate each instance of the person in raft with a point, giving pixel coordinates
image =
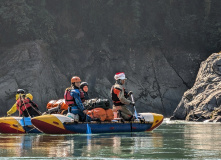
(119, 97)
(24, 105)
(73, 100)
(84, 88)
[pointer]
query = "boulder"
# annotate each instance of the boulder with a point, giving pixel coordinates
(203, 100)
(218, 119)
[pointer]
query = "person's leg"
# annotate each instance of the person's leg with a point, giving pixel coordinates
(84, 117)
(116, 110)
(126, 113)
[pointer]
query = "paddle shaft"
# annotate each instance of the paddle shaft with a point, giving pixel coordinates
(132, 98)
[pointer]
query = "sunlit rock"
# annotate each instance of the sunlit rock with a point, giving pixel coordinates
(203, 100)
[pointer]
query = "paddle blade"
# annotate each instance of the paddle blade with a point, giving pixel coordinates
(88, 129)
(135, 113)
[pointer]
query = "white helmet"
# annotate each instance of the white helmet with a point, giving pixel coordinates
(120, 75)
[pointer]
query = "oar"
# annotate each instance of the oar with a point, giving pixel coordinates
(135, 112)
(88, 127)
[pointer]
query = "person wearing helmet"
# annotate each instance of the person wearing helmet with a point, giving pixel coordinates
(119, 97)
(73, 99)
(24, 105)
(84, 88)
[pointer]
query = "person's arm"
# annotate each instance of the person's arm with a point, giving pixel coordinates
(12, 110)
(33, 103)
(76, 96)
(120, 95)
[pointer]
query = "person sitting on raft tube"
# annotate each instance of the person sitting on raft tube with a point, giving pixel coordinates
(73, 100)
(84, 88)
(119, 97)
(24, 105)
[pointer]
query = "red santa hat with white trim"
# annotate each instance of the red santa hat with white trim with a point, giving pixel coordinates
(120, 75)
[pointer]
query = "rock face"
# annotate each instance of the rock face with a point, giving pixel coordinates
(28, 66)
(203, 100)
(157, 78)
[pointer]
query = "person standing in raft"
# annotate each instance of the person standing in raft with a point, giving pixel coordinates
(73, 100)
(24, 105)
(119, 97)
(84, 88)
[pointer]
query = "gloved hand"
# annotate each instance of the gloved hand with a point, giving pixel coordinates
(130, 93)
(132, 103)
(85, 111)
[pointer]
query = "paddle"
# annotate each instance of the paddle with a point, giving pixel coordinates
(88, 127)
(135, 112)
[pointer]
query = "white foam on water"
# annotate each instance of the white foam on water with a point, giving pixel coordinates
(168, 121)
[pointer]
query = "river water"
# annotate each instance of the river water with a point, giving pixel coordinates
(172, 140)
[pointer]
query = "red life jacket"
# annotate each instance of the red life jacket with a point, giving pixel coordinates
(69, 100)
(20, 105)
(115, 98)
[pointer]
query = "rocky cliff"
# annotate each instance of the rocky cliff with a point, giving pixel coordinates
(203, 101)
(28, 66)
(158, 44)
(158, 78)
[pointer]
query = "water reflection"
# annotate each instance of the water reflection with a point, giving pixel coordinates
(206, 136)
(106, 145)
(169, 141)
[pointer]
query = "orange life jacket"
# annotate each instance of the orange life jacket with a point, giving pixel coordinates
(23, 104)
(114, 96)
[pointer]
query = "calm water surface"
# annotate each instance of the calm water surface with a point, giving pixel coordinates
(172, 140)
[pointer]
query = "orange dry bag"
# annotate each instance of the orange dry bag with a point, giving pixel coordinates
(109, 115)
(97, 113)
(51, 104)
(62, 104)
(56, 103)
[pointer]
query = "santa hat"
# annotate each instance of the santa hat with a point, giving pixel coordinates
(120, 75)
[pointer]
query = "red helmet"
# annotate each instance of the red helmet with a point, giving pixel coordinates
(75, 79)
